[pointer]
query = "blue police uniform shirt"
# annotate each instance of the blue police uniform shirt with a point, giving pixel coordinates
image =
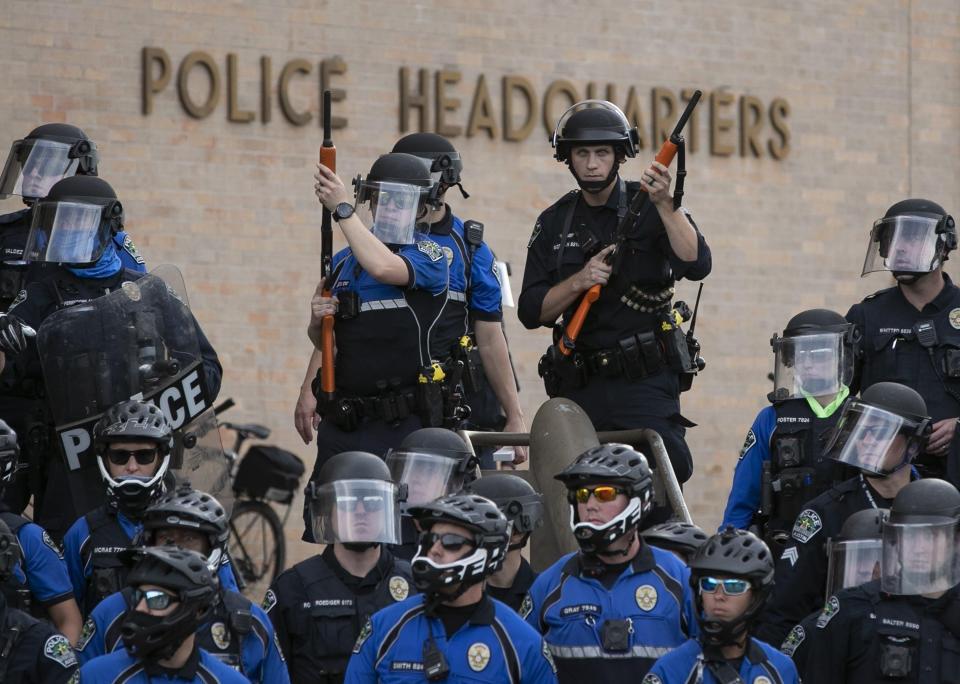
(129, 256)
(744, 499)
(391, 319)
(494, 645)
(653, 594)
(260, 656)
(79, 534)
(202, 668)
(43, 569)
(763, 665)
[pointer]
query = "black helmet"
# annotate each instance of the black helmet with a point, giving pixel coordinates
(89, 189)
(189, 509)
(853, 555)
(612, 464)
(184, 573)
(445, 162)
(48, 154)
(680, 538)
(9, 454)
(736, 554)
(594, 122)
(896, 398)
(10, 552)
(517, 500)
(923, 501)
(82, 148)
(396, 167)
(491, 535)
(432, 462)
(865, 524)
(353, 465)
(917, 221)
(133, 420)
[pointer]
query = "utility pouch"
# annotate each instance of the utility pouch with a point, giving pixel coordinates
(430, 396)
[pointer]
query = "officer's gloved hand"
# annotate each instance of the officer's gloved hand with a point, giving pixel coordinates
(13, 335)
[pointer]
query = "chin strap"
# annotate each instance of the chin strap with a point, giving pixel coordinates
(593, 187)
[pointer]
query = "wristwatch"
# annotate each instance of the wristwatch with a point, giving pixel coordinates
(342, 211)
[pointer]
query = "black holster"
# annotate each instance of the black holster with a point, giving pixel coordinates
(558, 370)
(430, 401)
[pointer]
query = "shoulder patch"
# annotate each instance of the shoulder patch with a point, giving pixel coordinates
(86, 634)
(364, 635)
(537, 229)
(830, 608)
(52, 544)
(526, 607)
(431, 249)
(793, 640)
(807, 525)
(548, 656)
(651, 678)
(19, 299)
(131, 249)
(747, 443)
(57, 649)
(269, 601)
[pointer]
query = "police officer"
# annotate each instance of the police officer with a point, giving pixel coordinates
(83, 264)
(174, 592)
(40, 585)
(626, 368)
(319, 605)
(523, 507)
(429, 463)
(453, 631)
(781, 465)
(911, 332)
(853, 558)
(31, 651)
(879, 434)
(610, 610)
(237, 632)
(680, 538)
(388, 293)
(731, 574)
(473, 314)
(904, 626)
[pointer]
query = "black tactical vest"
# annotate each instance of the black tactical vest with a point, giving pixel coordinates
(16, 594)
(108, 574)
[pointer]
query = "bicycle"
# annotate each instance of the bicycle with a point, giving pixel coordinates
(263, 476)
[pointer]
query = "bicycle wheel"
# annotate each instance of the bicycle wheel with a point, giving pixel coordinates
(257, 547)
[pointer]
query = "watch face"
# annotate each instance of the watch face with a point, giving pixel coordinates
(343, 210)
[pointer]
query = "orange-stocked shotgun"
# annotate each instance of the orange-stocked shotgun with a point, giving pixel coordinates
(328, 158)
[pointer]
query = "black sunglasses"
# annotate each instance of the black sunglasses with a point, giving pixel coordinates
(449, 541)
(142, 456)
(155, 598)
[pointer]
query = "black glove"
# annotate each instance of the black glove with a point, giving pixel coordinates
(13, 339)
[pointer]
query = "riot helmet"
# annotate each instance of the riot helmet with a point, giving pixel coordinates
(133, 421)
(485, 548)
(882, 431)
(10, 552)
(189, 509)
(594, 123)
(517, 500)
(50, 153)
(680, 538)
(445, 162)
(393, 198)
(184, 576)
(731, 554)
(354, 501)
(920, 540)
(853, 556)
(74, 223)
(9, 454)
(815, 356)
(914, 237)
(623, 470)
(432, 462)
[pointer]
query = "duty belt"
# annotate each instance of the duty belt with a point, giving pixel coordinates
(636, 357)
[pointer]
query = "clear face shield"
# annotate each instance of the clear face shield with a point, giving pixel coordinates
(810, 365)
(919, 558)
(903, 244)
(427, 476)
(70, 232)
(356, 511)
(34, 166)
(851, 563)
(391, 209)
(874, 440)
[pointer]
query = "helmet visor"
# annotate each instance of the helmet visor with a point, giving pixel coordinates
(358, 511)
(852, 563)
(919, 558)
(903, 244)
(427, 476)
(811, 365)
(391, 210)
(874, 440)
(597, 135)
(33, 166)
(69, 232)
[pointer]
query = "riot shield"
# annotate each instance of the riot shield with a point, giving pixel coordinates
(140, 341)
